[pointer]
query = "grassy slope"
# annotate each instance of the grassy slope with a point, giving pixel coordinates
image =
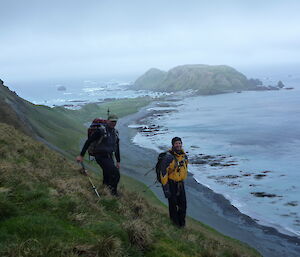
(64, 129)
(12, 110)
(48, 209)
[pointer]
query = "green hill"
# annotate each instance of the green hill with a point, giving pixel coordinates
(205, 79)
(47, 208)
(152, 79)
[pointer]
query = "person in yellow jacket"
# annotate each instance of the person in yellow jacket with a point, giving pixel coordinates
(173, 173)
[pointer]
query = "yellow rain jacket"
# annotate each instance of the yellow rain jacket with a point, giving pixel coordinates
(174, 167)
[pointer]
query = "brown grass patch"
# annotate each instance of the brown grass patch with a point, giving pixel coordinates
(108, 247)
(139, 233)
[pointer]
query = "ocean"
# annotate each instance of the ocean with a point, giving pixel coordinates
(245, 146)
(76, 93)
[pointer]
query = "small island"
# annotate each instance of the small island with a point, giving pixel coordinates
(204, 79)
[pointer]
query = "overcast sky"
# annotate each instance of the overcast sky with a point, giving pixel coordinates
(61, 39)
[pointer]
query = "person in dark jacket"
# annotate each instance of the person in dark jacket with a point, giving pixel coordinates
(105, 151)
(174, 172)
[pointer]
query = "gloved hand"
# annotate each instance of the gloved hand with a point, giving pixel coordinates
(166, 189)
(79, 158)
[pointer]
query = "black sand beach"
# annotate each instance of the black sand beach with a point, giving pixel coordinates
(203, 204)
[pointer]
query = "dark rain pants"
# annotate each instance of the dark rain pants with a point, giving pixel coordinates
(177, 203)
(111, 174)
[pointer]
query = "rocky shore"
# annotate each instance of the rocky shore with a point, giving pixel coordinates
(204, 204)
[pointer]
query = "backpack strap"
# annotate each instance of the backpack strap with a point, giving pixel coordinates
(104, 135)
(117, 133)
(177, 164)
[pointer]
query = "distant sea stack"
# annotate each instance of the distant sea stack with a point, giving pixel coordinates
(205, 79)
(280, 84)
(61, 88)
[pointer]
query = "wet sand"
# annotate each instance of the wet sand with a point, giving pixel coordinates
(203, 204)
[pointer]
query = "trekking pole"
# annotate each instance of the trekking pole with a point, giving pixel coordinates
(148, 187)
(84, 171)
(148, 172)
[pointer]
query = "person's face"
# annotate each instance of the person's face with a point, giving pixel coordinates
(111, 123)
(177, 145)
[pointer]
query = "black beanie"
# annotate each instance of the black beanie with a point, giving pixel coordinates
(174, 139)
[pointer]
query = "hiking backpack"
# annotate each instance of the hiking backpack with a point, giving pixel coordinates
(96, 124)
(158, 166)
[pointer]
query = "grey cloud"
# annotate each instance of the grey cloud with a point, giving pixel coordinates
(63, 38)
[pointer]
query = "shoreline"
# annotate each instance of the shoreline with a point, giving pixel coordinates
(219, 213)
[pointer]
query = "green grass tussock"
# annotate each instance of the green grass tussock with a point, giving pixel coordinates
(139, 233)
(108, 247)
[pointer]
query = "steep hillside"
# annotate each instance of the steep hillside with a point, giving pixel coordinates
(206, 79)
(38, 121)
(61, 127)
(12, 110)
(47, 208)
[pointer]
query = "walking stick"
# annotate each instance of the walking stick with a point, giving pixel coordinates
(148, 187)
(84, 171)
(148, 171)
